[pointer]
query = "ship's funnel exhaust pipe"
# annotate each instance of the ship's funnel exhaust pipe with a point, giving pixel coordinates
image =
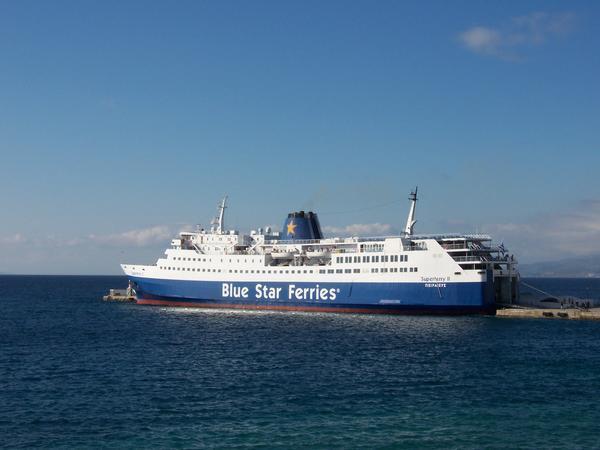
(410, 221)
(302, 225)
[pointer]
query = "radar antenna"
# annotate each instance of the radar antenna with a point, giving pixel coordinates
(410, 221)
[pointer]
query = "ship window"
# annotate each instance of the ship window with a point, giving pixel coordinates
(311, 271)
(411, 269)
(339, 271)
(229, 270)
(416, 269)
(356, 270)
(329, 270)
(348, 271)
(268, 271)
(287, 271)
(321, 270)
(384, 270)
(374, 270)
(293, 271)
(246, 271)
(375, 258)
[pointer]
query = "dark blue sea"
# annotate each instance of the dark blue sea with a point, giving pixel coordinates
(77, 372)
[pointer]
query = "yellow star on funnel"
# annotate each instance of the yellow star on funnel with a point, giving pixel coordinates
(291, 228)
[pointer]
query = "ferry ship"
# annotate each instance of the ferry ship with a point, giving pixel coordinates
(299, 269)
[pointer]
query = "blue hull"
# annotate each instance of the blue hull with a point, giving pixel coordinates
(399, 298)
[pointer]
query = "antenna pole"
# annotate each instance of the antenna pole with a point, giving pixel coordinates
(221, 219)
(410, 220)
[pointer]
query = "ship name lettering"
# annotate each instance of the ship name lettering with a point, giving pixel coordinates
(314, 293)
(229, 290)
(266, 292)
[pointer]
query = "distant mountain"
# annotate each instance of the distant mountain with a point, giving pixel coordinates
(578, 267)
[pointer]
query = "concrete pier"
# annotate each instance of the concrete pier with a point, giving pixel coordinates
(535, 313)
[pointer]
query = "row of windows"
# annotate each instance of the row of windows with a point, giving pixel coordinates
(189, 269)
(375, 259)
(339, 259)
(193, 269)
(373, 270)
(178, 258)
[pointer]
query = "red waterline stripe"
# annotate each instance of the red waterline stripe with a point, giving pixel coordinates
(410, 311)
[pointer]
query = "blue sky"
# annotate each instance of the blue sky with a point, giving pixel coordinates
(121, 122)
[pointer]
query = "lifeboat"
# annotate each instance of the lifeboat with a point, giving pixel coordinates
(318, 254)
(282, 255)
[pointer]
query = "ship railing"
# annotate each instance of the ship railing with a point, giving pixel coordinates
(493, 259)
(470, 248)
(296, 241)
(467, 259)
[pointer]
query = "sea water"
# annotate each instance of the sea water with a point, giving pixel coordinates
(78, 372)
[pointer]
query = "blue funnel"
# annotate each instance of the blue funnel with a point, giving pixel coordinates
(301, 225)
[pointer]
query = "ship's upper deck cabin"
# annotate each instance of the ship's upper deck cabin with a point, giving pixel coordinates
(474, 252)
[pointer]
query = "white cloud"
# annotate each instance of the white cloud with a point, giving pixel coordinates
(15, 239)
(481, 39)
(508, 40)
(138, 238)
(360, 229)
(554, 236)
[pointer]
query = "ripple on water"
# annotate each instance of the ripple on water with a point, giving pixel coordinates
(78, 372)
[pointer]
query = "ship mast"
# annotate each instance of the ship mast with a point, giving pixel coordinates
(219, 221)
(410, 221)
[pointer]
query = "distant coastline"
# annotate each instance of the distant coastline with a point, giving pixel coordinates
(577, 267)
